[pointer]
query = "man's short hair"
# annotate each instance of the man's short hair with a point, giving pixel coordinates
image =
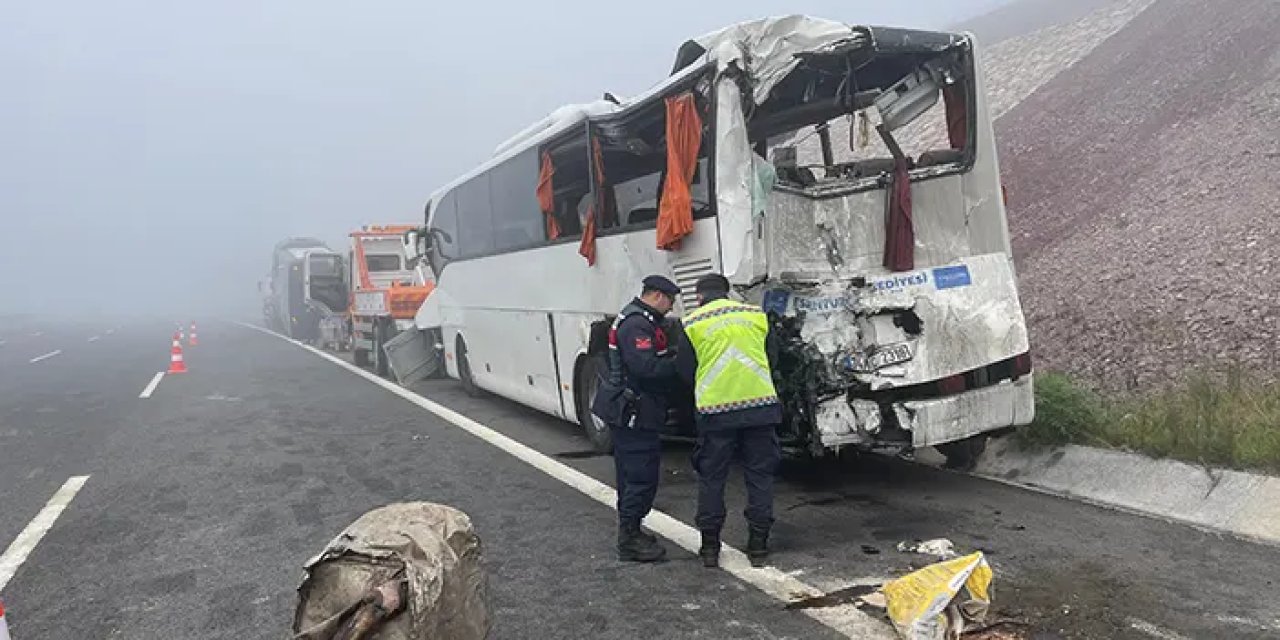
(712, 284)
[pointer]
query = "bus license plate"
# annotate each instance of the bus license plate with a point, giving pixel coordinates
(885, 356)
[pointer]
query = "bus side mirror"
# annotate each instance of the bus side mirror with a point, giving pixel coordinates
(410, 242)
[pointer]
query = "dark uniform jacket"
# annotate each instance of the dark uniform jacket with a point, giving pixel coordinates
(648, 364)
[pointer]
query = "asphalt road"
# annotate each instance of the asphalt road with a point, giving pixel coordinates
(204, 500)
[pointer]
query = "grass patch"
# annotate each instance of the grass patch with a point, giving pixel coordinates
(1229, 420)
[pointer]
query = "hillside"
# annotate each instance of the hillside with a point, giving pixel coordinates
(1142, 198)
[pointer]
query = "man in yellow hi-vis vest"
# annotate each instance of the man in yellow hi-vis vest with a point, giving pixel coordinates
(727, 361)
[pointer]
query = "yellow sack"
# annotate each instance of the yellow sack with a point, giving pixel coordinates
(928, 605)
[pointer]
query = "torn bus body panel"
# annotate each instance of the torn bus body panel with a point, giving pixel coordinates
(943, 420)
(892, 332)
(868, 356)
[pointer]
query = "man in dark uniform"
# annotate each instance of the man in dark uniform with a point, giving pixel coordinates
(643, 369)
(727, 359)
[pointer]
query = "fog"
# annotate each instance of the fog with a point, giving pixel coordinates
(152, 153)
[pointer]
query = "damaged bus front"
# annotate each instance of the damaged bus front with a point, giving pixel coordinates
(859, 203)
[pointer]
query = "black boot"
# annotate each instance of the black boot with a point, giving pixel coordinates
(758, 546)
(710, 551)
(635, 546)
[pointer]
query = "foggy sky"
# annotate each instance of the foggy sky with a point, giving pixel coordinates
(152, 153)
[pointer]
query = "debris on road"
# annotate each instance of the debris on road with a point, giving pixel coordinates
(999, 630)
(4, 628)
(938, 601)
(940, 547)
(409, 570)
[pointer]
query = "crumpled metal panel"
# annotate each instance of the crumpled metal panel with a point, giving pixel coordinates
(939, 216)
(766, 49)
(957, 417)
(433, 548)
(734, 175)
(969, 315)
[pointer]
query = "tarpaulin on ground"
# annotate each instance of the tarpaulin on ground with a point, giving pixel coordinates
(427, 553)
(937, 601)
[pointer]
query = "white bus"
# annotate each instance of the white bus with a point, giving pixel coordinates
(845, 179)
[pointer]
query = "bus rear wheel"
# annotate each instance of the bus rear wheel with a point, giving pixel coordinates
(464, 371)
(588, 382)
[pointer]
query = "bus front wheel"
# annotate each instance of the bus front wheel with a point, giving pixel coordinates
(588, 381)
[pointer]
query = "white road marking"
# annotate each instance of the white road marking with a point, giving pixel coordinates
(151, 386)
(1154, 631)
(93, 339)
(847, 620)
(26, 541)
(46, 356)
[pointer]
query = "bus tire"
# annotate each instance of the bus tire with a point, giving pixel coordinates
(379, 352)
(465, 374)
(587, 382)
(962, 455)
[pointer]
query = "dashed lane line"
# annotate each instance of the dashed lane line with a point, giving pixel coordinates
(26, 541)
(845, 619)
(151, 386)
(46, 356)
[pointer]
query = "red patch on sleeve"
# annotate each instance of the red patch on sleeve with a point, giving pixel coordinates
(644, 342)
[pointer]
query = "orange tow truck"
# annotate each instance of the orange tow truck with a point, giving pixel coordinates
(386, 291)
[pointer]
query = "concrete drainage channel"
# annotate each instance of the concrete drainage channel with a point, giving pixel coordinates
(1245, 505)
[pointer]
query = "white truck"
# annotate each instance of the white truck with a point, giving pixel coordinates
(304, 296)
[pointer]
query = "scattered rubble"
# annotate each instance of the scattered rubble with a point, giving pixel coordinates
(940, 547)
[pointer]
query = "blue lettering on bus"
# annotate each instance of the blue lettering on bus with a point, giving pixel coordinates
(826, 304)
(902, 281)
(951, 277)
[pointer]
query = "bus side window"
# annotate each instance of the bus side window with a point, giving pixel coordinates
(634, 151)
(570, 183)
(518, 222)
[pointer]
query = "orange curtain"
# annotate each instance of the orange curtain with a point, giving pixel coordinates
(957, 116)
(684, 138)
(546, 196)
(587, 248)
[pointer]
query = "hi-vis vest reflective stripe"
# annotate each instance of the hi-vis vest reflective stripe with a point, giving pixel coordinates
(733, 368)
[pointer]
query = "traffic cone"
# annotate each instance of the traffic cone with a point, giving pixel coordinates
(193, 341)
(4, 627)
(176, 364)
